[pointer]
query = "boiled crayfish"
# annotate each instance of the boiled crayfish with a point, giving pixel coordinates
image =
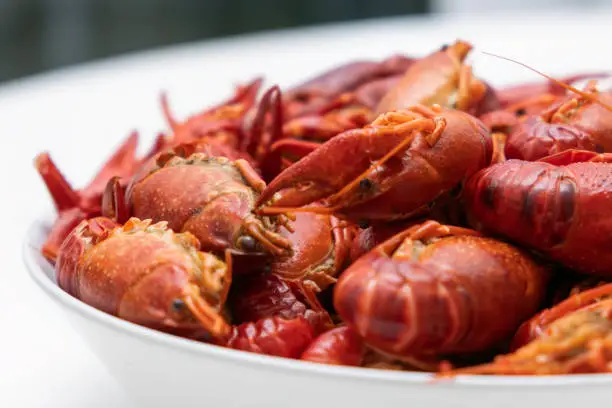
(392, 169)
(574, 337)
(211, 197)
(557, 205)
(400, 214)
(434, 290)
(147, 274)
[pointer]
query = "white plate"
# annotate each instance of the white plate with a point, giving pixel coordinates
(81, 113)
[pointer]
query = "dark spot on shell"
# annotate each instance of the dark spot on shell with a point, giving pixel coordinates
(195, 211)
(456, 191)
(178, 304)
(567, 195)
(363, 224)
(488, 194)
(530, 201)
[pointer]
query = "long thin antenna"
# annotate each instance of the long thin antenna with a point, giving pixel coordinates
(556, 81)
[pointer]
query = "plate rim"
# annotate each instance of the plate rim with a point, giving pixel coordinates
(32, 257)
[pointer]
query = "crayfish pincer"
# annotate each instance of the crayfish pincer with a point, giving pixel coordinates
(211, 197)
(392, 169)
(147, 274)
(435, 290)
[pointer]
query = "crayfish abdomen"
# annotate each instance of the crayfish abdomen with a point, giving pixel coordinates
(435, 290)
(558, 206)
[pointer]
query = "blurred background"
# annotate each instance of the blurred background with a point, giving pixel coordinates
(37, 35)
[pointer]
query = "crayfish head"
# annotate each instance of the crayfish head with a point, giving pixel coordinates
(180, 288)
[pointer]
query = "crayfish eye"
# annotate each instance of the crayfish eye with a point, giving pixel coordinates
(247, 243)
(178, 304)
(366, 184)
(520, 112)
(444, 47)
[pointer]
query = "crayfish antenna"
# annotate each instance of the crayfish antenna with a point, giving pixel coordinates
(562, 84)
(289, 210)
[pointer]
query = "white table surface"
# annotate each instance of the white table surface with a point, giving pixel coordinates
(80, 114)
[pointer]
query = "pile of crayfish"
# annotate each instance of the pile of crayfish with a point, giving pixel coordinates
(400, 214)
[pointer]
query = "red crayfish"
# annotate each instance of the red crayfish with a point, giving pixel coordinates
(336, 101)
(211, 197)
(240, 227)
(441, 78)
(434, 290)
(535, 129)
(574, 337)
(363, 81)
(147, 274)
(391, 169)
(556, 205)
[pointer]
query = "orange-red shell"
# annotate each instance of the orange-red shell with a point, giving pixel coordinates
(273, 336)
(338, 346)
(459, 294)
(138, 270)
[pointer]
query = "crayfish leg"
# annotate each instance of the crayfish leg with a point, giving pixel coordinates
(250, 175)
(210, 319)
(113, 202)
(64, 196)
(499, 147)
(468, 90)
(256, 140)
